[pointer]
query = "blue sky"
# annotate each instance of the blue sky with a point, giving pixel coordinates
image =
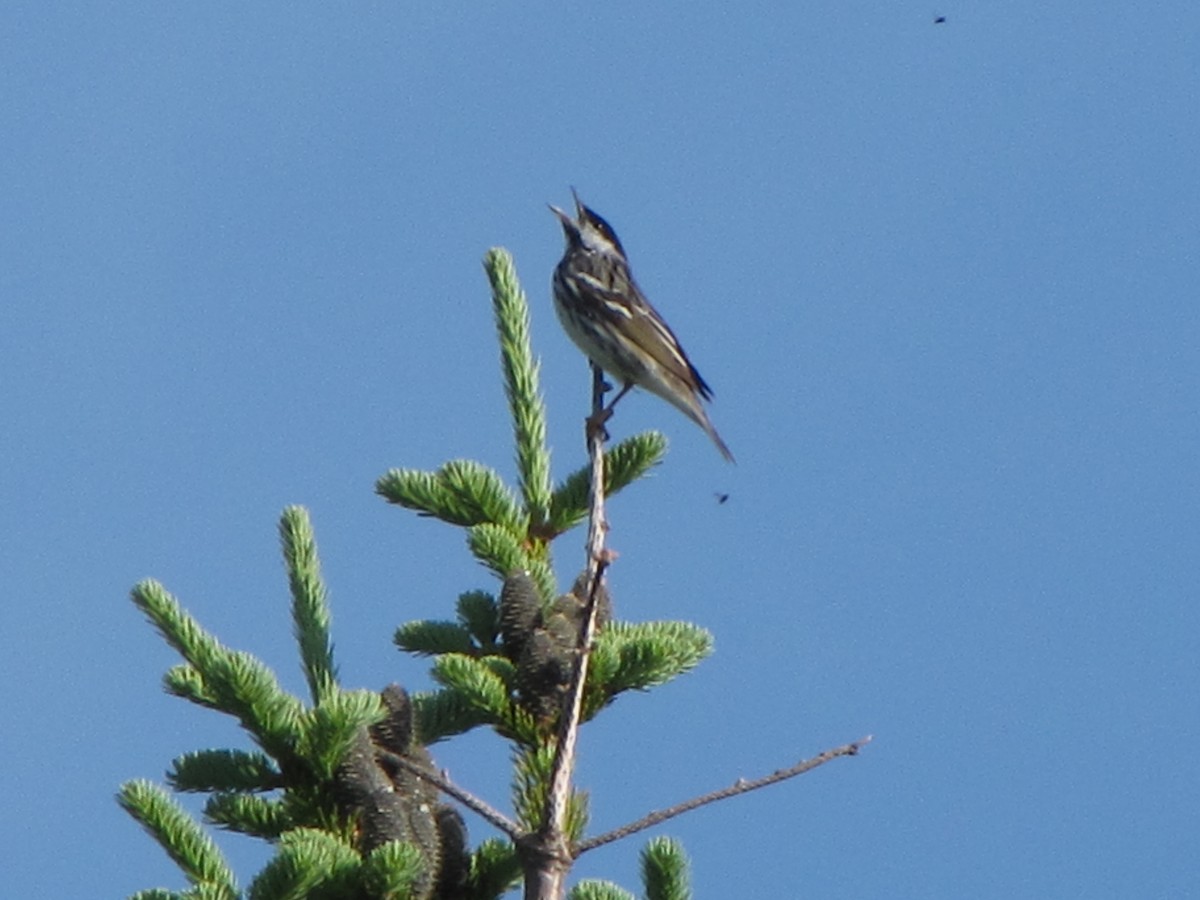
(942, 278)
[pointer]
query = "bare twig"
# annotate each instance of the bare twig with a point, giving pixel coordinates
(549, 853)
(740, 787)
(492, 815)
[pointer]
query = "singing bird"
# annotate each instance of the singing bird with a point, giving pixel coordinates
(605, 313)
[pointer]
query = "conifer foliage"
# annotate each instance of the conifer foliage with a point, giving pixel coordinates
(342, 782)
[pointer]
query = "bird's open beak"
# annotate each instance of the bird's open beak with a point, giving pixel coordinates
(569, 225)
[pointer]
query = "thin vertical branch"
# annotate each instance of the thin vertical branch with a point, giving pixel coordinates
(545, 880)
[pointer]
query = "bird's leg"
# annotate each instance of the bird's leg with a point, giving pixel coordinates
(600, 386)
(597, 421)
(608, 410)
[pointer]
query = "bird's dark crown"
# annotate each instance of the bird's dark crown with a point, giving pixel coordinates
(588, 216)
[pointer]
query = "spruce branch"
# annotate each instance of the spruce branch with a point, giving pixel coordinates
(219, 678)
(441, 714)
(199, 892)
(428, 638)
(179, 835)
(462, 492)
(224, 770)
(185, 682)
(394, 869)
(495, 868)
(479, 614)
(741, 786)
(481, 494)
(504, 551)
(599, 890)
(665, 870)
(639, 655)
(250, 814)
(308, 863)
(499, 548)
(485, 687)
(177, 628)
(310, 606)
(520, 369)
(625, 463)
(419, 491)
(331, 729)
(474, 681)
(339, 812)
(532, 777)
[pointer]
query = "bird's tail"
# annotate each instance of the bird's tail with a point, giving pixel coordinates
(707, 425)
(687, 402)
(699, 415)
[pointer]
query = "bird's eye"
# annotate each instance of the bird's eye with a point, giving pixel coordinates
(605, 229)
